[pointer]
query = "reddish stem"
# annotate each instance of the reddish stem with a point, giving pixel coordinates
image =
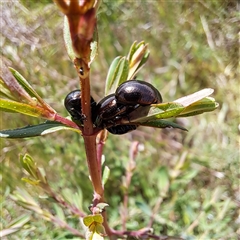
(94, 170)
(86, 99)
(65, 121)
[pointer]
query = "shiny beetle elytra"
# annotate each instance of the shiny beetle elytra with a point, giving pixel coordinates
(108, 109)
(121, 129)
(135, 92)
(72, 103)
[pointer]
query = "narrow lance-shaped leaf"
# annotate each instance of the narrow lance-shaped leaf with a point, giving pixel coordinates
(5, 92)
(111, 74)
(120, 75)
(155, 111)
(29, 165)
(14, 87)
(36, 130)
(137, 57)
(197, 103)
(207, 104)
(117, 74)
(141, 64)
(163, 111)
(37, 175)
(132, 50)
(67, 39)
(34, 111)
(190, 105)
(162, 124)
(106, 173)
(24, 83)
(98, 217)
(18, 96)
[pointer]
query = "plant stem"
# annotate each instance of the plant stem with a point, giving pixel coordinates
(88, 136)
(93, 166)
(86, 105)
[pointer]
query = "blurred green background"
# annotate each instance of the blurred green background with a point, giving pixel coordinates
(192, 176)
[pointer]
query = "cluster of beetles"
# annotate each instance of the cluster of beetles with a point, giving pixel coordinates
(129, 96)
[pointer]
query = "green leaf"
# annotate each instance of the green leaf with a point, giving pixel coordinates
(35, 130)
(117, 74)
(29, 165)
(18, 107)
(42, 175)
(122, 73)
(88, 220)
(123, 68)
(106, 173)
(141, 64)
(5, 92)
(111, 74)
(28, 88)
(165, 110)
(94, 46)
(207, 104)
(18, 93)
(190, 105)
(38, 174)
(19, 96)
(100, 230)
(67, 39)
(132, 50)
(98, 218)
(144, 114)
(162, 124)
(137, 57)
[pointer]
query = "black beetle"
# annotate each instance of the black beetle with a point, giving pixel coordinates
(108, 110)
(121, 129)
(72, 103)
(135, 92)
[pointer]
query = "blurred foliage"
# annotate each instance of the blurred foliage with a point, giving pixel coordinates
(192, 45)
